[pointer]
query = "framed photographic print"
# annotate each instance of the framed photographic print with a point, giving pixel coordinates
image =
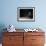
(26, 14)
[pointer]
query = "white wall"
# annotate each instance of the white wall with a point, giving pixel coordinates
(9, 13)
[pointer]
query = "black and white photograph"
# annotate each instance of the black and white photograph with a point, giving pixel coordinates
(26, 14)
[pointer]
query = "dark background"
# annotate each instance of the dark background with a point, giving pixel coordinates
(25, 13)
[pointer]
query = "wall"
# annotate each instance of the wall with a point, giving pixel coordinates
(8, 13)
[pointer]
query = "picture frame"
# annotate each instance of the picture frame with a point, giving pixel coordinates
(26, 14)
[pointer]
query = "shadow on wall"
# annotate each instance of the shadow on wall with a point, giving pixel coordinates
(2, 26)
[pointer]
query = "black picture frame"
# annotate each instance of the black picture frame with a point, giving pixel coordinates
(26, 14)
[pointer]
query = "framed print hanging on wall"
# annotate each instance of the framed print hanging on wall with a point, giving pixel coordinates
(26, 14)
